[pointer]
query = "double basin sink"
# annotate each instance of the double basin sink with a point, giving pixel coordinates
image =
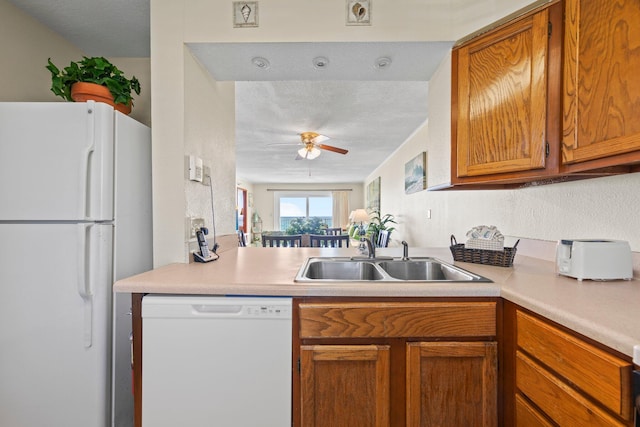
(327, 269)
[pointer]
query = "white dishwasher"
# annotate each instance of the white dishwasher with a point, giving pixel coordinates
(216, 361)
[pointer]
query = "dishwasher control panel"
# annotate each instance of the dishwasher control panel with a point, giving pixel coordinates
(216, 307)
(264, 310)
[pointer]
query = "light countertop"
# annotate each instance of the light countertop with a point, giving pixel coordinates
(607, 312)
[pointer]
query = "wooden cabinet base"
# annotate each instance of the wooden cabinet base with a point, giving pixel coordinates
(452, 384)
(401, 362)
(345, 385)
(552, 376)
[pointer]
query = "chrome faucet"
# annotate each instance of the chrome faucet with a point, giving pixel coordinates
(405, 251)
(371, 246)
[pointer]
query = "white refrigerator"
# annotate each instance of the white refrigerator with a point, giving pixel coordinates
(75, 215)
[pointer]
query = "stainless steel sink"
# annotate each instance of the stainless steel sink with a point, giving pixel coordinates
(342, 270)
(428, 270)
(326, 269)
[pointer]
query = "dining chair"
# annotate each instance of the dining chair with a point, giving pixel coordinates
(383, 239)
(242, 239)
(324, 241)
(281, 241)
(333, 231)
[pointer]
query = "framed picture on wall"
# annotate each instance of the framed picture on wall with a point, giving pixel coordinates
(245, 14)
(358, 12)
(415, 174)
(373, 195)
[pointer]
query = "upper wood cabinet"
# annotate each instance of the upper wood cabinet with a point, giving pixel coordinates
(501, 98)
(549, 93)
(601, 88)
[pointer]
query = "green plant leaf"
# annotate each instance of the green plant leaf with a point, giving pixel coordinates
(93, 70)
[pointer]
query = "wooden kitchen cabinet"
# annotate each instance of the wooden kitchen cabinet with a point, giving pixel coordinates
(345, 385)
(502, 95)
(548, 94)
(559, 378)
(601, 89)
(452, 384)
(403, 362)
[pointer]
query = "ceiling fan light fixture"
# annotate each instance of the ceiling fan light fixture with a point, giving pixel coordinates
(320, 62)
(260, 62)
(313, 153)
(309, 153)
(382, 62)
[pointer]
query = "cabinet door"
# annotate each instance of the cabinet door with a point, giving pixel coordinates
(452, 384)
(601, 90)
(502, 99)
(345, 385)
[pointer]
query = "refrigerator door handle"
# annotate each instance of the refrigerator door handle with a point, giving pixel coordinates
(84, 280)
(85, 170)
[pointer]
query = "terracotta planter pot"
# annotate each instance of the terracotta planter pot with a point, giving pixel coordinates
(81, 92)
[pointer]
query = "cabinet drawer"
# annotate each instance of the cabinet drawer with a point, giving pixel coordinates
(604, 377)
(420, 319)
(527, 415)
(563, 404)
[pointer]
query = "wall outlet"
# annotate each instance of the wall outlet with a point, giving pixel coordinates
(194, 225)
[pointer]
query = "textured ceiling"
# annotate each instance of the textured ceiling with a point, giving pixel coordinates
(367, 110)
(407, 61)
(370, 119)
(98, 27)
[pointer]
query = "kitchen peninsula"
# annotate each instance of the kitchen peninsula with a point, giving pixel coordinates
(602, 315)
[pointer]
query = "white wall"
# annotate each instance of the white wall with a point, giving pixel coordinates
(209, 134)
(408, 209)
(25, 45)
(594, 208)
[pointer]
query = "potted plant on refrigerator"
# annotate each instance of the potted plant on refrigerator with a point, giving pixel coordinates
(94, 78)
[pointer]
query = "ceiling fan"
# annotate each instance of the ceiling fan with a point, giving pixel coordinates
(312, 146)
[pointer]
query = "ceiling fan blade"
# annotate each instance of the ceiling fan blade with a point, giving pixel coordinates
(332, 148)
(320, 138)
(282, 144)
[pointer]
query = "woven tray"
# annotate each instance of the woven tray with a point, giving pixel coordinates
(502, 258)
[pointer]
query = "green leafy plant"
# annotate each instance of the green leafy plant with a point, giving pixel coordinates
(93, 70)
(313, 225)
(379, 223)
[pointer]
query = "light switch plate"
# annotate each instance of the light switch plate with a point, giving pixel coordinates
(636, 354)
(195, 168)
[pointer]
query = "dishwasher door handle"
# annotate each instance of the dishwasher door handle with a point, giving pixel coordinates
(216, 309)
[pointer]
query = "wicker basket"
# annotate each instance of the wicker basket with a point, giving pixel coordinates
(502, 258)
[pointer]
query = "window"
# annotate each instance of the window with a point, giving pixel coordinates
(291, 205)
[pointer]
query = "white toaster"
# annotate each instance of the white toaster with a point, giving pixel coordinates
(594, 259)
